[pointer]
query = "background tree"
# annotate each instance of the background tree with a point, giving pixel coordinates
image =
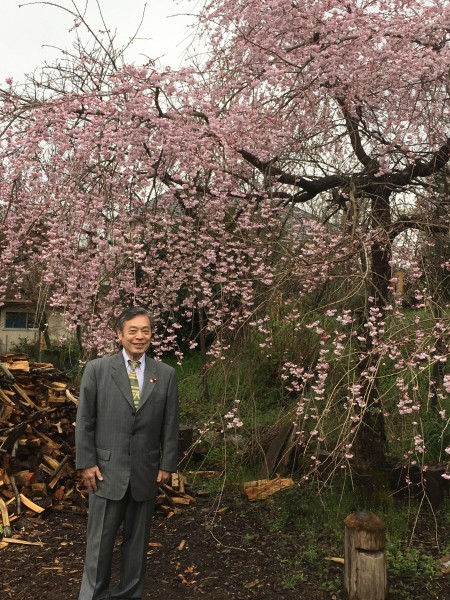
(349, 100)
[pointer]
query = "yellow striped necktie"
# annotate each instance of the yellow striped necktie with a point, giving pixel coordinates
(134, 381)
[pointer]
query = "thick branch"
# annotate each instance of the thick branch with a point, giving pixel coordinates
(311, 188)
(354, 135)
(420, 169)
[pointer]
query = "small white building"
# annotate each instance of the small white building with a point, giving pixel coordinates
(18, 322)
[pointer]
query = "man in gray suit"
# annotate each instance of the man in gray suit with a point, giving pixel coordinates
(126, 444)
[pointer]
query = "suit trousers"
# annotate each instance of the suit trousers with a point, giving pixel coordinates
(105, 518)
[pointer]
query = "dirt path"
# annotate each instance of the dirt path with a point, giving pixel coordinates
(198, 554)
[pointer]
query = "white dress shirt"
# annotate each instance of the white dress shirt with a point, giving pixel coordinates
(139, 369)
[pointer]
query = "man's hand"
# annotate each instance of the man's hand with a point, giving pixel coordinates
(90, 476)
(163, 476)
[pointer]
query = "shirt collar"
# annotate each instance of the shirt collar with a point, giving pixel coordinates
(127, 358)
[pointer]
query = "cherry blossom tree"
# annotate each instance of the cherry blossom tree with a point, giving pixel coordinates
(347, 101)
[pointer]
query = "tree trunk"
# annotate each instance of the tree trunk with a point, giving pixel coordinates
(370, 441)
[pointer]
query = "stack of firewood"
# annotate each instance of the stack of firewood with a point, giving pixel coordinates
(37, 445)
(37, 411)
(172, 497)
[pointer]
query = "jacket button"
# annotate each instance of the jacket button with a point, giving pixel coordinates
(133, 414)
(133, 432)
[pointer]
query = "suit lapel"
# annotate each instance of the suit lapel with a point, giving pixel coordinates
(150, 378)
(120, 376)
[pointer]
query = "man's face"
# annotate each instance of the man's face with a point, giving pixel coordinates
(136, 336)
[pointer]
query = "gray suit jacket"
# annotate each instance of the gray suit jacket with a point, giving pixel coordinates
(128, 445)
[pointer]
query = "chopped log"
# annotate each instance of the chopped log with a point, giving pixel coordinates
(57, 474)
(31, 505)
(71, 397)
(202, 493)
(336, 559)
(24, 396)
(59, 494)
(9, 540)
(189, 497)
(48, 441)
(182, 484)
(39, 490)
(5, 368)
(69, 492)
(7, 531)
(15, 361)
(12, 436)
(365, 557)
(5, 397)
(40, 367)
(180, 500)
(168, 488)
(5, 413)
(165, 496)
(178, 482)
(266, 488)
(19, 365)
(57, 393)
(25, 478)
(52, 462)
(255, 483)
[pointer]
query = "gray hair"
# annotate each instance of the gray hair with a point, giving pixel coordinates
(130, 313)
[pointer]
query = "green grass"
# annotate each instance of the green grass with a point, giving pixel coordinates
(292, 573)
(316, 523)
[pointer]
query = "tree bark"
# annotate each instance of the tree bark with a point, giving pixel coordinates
(370, 441)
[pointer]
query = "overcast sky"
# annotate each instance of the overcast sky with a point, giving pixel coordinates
(27, 31)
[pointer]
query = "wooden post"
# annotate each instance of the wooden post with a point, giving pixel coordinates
(365, 557)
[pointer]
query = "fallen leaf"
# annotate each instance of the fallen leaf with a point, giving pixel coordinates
(251, 584)
(223, 510)
(190, 569)
(186, 581)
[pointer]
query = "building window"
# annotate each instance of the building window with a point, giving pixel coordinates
(19, 320)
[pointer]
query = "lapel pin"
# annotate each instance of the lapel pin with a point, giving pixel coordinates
(152, 379)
